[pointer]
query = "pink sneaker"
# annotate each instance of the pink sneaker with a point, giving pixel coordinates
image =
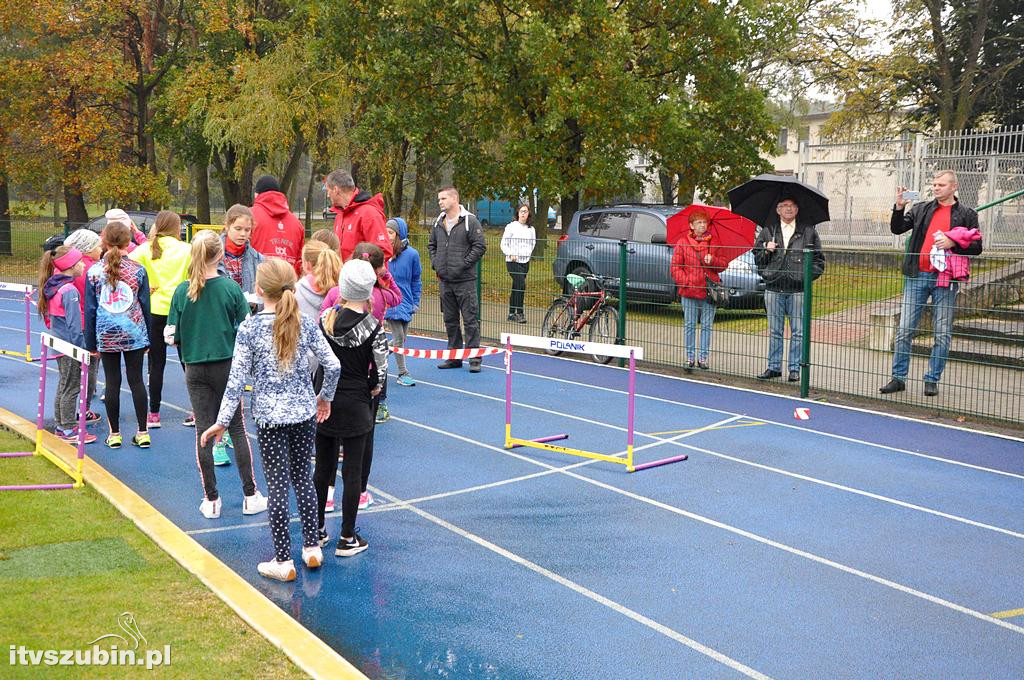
(71, 436)
(365, 500)
(152, 421)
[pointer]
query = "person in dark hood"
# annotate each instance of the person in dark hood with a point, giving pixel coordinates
(358, 215)
(277, 232)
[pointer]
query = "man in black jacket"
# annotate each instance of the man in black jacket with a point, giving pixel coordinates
(779, 254)
(456, 244)
(928, 224)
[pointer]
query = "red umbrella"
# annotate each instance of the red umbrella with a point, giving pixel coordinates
(732, 233)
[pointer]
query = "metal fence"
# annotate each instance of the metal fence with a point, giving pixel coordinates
(855, 307)
(861, 177)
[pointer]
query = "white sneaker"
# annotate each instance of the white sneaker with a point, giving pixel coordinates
(210, 509)
(329, 506)
(281, 571)
(254, 504)
(313, 556)
(365, 500)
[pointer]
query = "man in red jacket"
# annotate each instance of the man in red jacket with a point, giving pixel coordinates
(358, 216)
(277, 232)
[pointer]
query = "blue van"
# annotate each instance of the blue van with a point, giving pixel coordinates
(491, 211)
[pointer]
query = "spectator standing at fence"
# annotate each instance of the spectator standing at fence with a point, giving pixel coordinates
(270, 351)
(779, 254)
(240, 258)
(205, 313)
(928, 223)
(277, 231)
(407, 272)
(358, 215)
(117, 325)
(517, 243)
(456, 244)
(694, 261)
(58, 306)
(166, 261)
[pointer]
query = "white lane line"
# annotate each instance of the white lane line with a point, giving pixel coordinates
(801, 429)
(586, 592)
(781, 471)
(747, 534)
(448, 494)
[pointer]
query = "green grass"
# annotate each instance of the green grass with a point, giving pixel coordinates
(70, 564)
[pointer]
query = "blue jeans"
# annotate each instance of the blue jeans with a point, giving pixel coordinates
(694, 310)
(780, 306)
(916, 292)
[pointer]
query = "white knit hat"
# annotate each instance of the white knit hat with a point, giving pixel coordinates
(356, 281)
(85, 240)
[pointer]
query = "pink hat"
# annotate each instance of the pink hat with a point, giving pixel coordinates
(118, 215)
(68, 259)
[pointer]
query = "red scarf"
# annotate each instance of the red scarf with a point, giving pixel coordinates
(232, 249)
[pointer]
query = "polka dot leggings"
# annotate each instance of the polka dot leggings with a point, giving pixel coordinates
(285, 451)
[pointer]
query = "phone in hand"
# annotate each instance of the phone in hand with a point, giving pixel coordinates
(911, 195)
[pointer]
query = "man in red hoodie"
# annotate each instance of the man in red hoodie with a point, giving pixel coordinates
(277, 232)
(358, 216)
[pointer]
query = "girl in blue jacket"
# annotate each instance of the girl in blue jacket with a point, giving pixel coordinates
(406, 270)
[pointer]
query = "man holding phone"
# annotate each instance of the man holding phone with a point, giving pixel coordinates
(928, 223)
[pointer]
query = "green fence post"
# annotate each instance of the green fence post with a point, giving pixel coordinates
(805, 349)
(620, 332)
(190, 227)
(479, 287)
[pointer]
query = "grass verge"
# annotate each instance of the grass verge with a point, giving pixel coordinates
(70, 564)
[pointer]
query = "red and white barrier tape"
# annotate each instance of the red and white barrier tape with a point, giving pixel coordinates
(445, 354)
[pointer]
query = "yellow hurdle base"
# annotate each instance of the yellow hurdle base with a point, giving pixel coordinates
(627, 461)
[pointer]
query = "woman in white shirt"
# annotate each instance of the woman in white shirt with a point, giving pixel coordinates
(517, 243)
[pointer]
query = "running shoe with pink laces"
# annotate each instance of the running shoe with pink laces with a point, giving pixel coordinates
(152, 421)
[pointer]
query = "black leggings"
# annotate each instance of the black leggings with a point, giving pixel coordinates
(157, 361)
(351, 476)
(518, 271)
(112, 392)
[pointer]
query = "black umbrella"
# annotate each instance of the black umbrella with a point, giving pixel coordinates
(756, 199)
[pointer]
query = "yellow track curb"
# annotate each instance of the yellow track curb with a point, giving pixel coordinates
(309, 652)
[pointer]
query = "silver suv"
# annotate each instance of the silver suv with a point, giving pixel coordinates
(591, 246)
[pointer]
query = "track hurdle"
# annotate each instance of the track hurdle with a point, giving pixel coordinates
(579, 347)
(27, 291)
(447, 354)
(48, 342)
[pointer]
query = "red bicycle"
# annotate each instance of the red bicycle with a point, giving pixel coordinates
(586, 306)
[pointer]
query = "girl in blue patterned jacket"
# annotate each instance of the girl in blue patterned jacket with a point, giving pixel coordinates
(117, 324)
(58, 305)
(271, 352)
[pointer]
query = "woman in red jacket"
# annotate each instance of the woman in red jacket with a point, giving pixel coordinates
(695, 260)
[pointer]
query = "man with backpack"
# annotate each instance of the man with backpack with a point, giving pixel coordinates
(456, 244)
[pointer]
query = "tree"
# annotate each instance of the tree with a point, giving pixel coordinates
(940, 63)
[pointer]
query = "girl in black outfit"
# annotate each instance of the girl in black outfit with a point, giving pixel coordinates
(357, 340)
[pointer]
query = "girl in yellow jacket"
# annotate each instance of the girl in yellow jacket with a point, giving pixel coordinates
(166, 261)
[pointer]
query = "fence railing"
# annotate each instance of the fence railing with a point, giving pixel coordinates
(855, 307)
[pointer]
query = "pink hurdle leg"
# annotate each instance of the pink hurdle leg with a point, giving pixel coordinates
(42, 387)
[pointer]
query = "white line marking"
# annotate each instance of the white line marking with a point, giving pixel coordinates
(781, 471)
(745, 534)
(586, 592)
(794, 427)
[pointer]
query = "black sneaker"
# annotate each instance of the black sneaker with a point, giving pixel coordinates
(450, 363)
(190, 420)
(347, 547)
(322, 538)
(894, 385)
(474, 365)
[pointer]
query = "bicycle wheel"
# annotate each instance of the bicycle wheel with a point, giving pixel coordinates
(603, 328)
(557, 322)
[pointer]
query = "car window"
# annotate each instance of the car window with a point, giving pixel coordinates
(611, 225)
(645, 226)
(588, 223)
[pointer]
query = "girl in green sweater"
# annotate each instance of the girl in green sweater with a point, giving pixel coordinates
(205, 312)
